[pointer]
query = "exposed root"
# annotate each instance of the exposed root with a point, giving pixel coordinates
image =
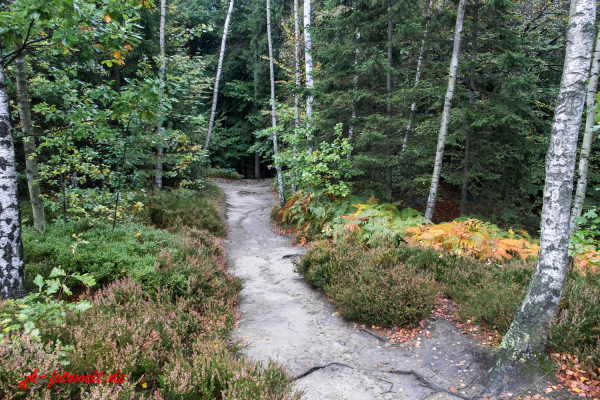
(422, 380)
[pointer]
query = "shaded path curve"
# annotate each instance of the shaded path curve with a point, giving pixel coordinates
(285, 319)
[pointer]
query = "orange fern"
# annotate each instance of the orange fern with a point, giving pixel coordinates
(471, 238)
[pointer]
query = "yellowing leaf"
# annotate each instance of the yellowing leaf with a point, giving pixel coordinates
(144, 385)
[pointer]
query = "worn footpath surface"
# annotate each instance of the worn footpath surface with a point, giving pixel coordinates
(285, 319)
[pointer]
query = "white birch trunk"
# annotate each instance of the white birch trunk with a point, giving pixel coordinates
(256, 155)
(465, 184)
(413, 106)
(355, 89)
(12, 265)
(310, 84)
(298, 73)
(31, 159)
(273, 111)
(163, 67)
(388, 148)
(211, 122)
(588, 137)
(529, 329)
(437, 169)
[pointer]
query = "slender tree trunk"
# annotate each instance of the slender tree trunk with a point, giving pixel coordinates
(273, 111)
(12, 265)
(256, 155)
(310, 84)
(413, 106)
(388, 148)
(355, 89)
(298, 74)
(588, 137)
(211, 122)
(465, 184)
(437, 169)
(163, 67)
(529, 329)
(31, 160)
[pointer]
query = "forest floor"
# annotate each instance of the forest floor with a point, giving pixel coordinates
(281, 317)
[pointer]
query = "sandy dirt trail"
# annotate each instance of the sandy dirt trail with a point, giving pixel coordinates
(283, 318)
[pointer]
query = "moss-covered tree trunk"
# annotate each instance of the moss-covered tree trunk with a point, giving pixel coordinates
(163, 68)
(529, 329)
(273, 110)
(31, 159)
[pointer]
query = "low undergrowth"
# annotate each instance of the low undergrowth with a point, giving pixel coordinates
(223, 173)
(388, 284)
(160, 314)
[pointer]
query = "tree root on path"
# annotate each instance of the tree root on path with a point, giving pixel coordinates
(422, 380)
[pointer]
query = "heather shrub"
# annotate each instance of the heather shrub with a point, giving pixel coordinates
(207, 370)
(181, 209)
(370, 285)
(576, 327)
(166, 304)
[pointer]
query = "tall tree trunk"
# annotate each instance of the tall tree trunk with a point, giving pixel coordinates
(413, 106)
(211, 122)
(465, 184)
(163, 67)
(256, 155)
(437, 169)
(529, 329)
(31, 160)
(310, 84)
(588, 137)
(273, 111)
(388, 148)
(355, 89)
(298, 74)
(12, 265)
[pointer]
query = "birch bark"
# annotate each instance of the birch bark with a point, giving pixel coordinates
(273, 110)
(211, 122)
(465, 184)
(308, 64)
(388, 148)
(413, 106)
(163, 67)
(12, 265)
(588, 137)
(256, 155)
(437, 169)
(31, 160)
(298, 73)
(529, 329)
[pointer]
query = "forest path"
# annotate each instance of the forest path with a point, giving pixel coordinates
(285, 319)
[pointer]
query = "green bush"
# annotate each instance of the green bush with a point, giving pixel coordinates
(104, 253)
(223, 173)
